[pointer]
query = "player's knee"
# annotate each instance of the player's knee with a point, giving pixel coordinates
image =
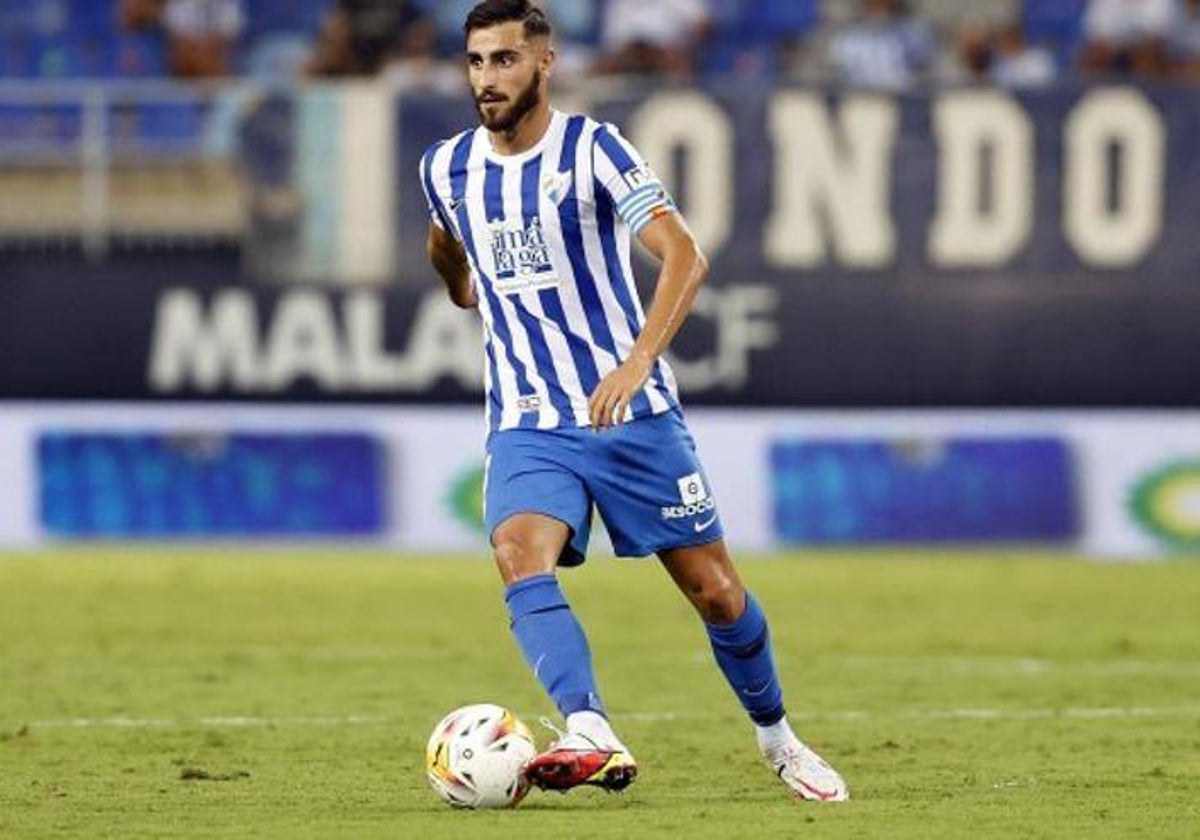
(518, 558)
(720, 601)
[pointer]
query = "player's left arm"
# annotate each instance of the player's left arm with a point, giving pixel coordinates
(683, 270)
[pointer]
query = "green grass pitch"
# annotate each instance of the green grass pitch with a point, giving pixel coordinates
(176, 692)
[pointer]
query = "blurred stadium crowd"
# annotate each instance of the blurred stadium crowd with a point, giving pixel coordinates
(886, 44)
(113, 157)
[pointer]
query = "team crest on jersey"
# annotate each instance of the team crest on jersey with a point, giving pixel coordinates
(521, 257)
(556, 186)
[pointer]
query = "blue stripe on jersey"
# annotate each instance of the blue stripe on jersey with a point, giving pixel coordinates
(531, 175)
(573, 240)
(458, 190)
(615, 151)
(430, 191)
(493, 191)
(606, 220)
(493, 200)
(493, 397)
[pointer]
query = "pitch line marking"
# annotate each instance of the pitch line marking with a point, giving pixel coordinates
(213, 721)
(235, 721)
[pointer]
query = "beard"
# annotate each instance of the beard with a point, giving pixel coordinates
(506, 121)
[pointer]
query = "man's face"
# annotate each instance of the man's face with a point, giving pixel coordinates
(506, 73)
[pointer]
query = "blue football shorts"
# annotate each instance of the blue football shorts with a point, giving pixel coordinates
(642, 476)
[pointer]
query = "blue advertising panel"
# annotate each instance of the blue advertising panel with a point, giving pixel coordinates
(154, 485)
(956, 490)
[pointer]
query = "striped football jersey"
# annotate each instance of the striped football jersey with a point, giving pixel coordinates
(547, 234)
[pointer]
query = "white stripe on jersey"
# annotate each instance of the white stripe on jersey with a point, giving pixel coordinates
(558, 302)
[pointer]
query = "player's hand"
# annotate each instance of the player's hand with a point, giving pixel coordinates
(612, 396)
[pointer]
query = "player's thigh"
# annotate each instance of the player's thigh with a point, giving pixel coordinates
(530, 490)
(650, 487)
(528, 544)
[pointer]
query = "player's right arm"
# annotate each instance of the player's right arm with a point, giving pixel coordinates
(446, 253)
(449, 260)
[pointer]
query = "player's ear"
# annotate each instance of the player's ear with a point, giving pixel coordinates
(547, 59)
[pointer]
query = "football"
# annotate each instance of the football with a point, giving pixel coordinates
(476, 755)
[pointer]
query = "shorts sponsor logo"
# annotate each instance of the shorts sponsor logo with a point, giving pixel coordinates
(692, 489)
(694, 496)
(684, 511)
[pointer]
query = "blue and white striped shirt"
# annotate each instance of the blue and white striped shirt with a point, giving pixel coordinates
(547, 235)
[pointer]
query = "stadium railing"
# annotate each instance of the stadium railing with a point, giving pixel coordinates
(92, 162)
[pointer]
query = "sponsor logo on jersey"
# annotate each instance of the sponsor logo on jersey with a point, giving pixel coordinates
(521, 257)
(531, 402)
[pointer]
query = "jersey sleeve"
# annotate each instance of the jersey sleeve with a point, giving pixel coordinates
(437, 210)
(621, 174)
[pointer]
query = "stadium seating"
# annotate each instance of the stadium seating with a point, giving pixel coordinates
(273, 17)
(1056, 24)
(70, 39)
(76, 39)
(747, 34)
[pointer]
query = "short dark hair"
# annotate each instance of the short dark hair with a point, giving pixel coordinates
(491, 13)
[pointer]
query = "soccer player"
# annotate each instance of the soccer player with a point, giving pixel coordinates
(531, 219)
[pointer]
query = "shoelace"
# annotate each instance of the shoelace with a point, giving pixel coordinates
(549, 724)
(561, 736)
(781, 757)
(784, 748)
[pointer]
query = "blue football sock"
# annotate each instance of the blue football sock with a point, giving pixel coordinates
(743, 650)
(553, 643)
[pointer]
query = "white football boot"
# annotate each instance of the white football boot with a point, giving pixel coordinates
(807, 775)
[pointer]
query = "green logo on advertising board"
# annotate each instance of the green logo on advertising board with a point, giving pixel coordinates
(465, 498)
(1167, 504)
